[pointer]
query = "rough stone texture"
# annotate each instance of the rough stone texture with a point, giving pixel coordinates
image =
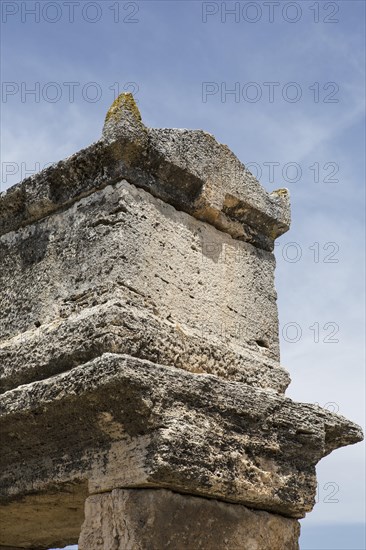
(118, 326)
(186, 168)
(123, 422)
(166, 262)
(139, 350)
(43, 521)
(160, 519)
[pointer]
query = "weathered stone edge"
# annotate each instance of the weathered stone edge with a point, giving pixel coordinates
(117, 328)
(227, 393)
(148, 162)
(181, 448)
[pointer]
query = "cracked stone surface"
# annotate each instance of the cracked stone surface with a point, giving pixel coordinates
(185, 277)
(119, 421)
(117, 326)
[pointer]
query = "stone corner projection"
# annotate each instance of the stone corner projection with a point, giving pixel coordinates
(142, 396)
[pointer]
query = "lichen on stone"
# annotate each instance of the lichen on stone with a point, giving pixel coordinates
(283, 192)
(124, 102)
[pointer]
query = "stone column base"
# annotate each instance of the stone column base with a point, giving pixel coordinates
(155, 519)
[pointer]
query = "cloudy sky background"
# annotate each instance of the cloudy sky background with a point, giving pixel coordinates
(312, 129)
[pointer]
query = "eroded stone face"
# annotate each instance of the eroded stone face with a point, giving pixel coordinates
(40, 521)
(194, 286)
(188, 169)
(119, 325)
(123, 422)
(161, 519)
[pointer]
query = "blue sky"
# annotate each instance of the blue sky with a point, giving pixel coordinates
(295, 114)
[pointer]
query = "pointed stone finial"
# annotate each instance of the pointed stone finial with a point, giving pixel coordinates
(123, 125)
(123, 107)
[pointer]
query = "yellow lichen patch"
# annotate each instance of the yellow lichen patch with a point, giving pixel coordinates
(281, 192)
(124, 102)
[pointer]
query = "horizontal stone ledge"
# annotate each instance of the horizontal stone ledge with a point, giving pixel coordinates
(186, 168)
(123, 422)
(117, 326)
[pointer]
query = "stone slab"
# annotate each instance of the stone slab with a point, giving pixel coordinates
(123, 325)
(185, 168)
(123, 422)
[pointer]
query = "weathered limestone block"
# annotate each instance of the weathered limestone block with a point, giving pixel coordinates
(118, 326)
(160, 519)
(123, 238)
(186, 168)
(123, 422)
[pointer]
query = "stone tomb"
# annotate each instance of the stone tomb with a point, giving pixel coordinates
(142, 397)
